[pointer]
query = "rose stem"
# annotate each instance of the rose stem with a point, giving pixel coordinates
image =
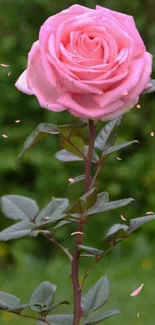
(75, 262)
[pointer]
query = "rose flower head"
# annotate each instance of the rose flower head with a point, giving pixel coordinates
(91, 62)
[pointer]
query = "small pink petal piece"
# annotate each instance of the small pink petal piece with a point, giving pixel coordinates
(77, 233)
(17, 121)
(149, 212)
(148, 86)
(118, 158)
(138, 106)
(46, 218)
(4, 65)
(9, 73)
(152, 134)
(4, 136)
(123, 218)
(137, 291)
(71, 180)
(138, 314)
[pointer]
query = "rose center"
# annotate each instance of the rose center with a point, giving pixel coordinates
(86, 45)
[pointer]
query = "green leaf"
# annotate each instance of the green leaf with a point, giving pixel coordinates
(117, 147)
(19, 230)
(108, 206)
(24, 306)
(19, 207)
(41, 308)
(90, 250)
(102, 198)
(77, 179)
(123, 231)
(99, 318)
(117, 204)
(8, 302)
(58, 320)
(86, 255)
(84, 202)
(117, 231)
(71, 129)
(21, 307)
(36, 232)
(41, 132)
(65, 156)
(150, 90)
(54, 210)
(43, 296)
(138, 222)
(62, 223)
(64, 302)
(76, 148)
(96, 296)
(107, 135)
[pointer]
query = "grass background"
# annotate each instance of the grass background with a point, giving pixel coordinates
(124, 276)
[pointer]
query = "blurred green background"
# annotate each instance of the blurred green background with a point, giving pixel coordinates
(23, 264)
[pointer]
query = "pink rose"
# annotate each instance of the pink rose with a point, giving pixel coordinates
(92, 63)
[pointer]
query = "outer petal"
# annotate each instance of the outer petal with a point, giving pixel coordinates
(21, 84)
(128, 24)
(144, 78)
(128, 84)
(39, 84)
(123, 109)
(56, 20)
(85, 106)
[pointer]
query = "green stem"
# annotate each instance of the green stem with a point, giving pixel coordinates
(65, 250)
(75, 263)
(97, 260)
(30, 317)
(89, 156)
(76, 288)
(96, 174)
(99, 166)
(89, 270)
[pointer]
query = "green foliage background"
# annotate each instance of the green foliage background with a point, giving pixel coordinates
(39, 175)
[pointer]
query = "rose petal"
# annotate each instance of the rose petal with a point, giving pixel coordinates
(127, 23)
(123, 218)
(22, 85)
(77, 233)
(4, 136)
(137, 291)
(71, 180)
(37, 81)
(129, 84)
(149, 212)
(4, 65)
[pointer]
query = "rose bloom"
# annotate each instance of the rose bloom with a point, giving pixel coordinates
(91, 62)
